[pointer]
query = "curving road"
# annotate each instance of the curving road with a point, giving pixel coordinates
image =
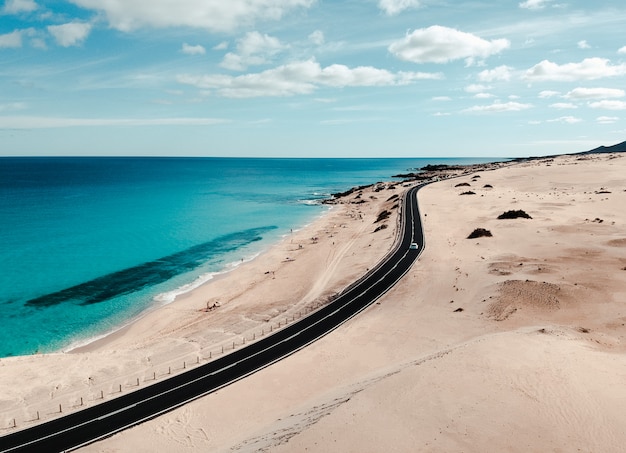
(89, 425)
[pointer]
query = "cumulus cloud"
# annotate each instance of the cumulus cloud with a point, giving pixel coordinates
(439, 44)
(566, 119)
(19, 6)
(70, 34)
(193, 50)
(253, 49)
(11, 40)
(622, 50)
(563, 105)
(534, 4)
(499, 107)
(548, 94)
(476, 88)
(221, 46)
(588, 69)
(301, 77)
(214, 15)
(608, 105)
(502, 73)
(607, 119)
(583, 45)
(393, 7)
(595, 93)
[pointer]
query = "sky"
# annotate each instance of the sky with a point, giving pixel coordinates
(311, 78)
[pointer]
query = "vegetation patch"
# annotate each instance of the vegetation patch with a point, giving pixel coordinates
(380, 227)
(469, 192)
(462, 184)
(514, 215)
(382, 216)
(479, 233)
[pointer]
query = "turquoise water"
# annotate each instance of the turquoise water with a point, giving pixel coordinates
(87, 244)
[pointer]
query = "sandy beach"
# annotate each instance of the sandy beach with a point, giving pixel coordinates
(511, 342)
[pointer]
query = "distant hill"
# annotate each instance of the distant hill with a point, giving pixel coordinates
(619, 148)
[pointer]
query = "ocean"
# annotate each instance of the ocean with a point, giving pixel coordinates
(87, 244)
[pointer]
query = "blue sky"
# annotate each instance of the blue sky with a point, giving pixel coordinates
(307, 78)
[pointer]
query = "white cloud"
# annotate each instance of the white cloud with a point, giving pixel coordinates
(595, 93)
(499, 107)
(534, 4)
(392, 7)
(301, 77)
(583, 45)
(548, 94)
(253, 49)
(608, 105)
(317, 37)
(475, 88)
(193, 50)
(439, 44)
(484, 96)
(11, 40)
(500, 73)
(442, 114)
(622, 50)
(214, 15)
(566, 119)
(36, 122)
(607, 119)
(442, 98)
(19, 6)
(563, 105)
(588, 69)
(221, 46)
(70, 34)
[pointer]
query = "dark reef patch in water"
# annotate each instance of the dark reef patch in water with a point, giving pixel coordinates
(150, 273)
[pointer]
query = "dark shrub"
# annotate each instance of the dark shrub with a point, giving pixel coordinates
(514, 215)
(479, 233)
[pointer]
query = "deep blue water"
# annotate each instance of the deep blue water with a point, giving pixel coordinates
(87, 244)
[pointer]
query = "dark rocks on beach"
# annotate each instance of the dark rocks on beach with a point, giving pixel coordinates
(514, 215)
(479, 233)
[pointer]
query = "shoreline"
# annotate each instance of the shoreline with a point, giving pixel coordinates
(101, 341)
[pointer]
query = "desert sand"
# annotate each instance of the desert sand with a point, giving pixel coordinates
(514, 342)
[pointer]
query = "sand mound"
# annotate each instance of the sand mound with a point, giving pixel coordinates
(515, 295)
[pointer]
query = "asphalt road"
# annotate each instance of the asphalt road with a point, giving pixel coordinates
(88, 425)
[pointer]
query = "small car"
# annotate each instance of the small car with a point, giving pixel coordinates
(413, 246)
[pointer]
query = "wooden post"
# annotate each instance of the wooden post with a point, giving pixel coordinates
(60, 409)
(210, 354)
(197, 359)
(14, 424)
(154, 375)
(244, 340)
(233, 345)
(184, 365)
(120, 388)
(253, 336)
(81, 400)
(37, 415)
(137, 382)
(101, 394)
(169, 370)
